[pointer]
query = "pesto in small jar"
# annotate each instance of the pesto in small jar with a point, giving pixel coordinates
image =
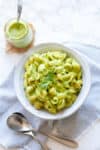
(19, 34)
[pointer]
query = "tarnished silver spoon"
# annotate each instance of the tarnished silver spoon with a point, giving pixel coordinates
(19, 123)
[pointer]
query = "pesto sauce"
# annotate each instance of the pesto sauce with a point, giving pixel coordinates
(17, 30)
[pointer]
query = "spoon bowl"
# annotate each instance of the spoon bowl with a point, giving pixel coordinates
(18, 122)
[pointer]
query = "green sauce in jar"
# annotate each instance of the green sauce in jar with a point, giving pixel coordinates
(19, 34)
(16, 30)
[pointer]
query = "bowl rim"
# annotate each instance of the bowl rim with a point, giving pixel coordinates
(75, 53)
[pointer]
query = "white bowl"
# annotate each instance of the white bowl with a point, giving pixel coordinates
(18, 81)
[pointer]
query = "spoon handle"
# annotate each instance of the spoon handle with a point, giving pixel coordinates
(19, 9)
(63, 140)
(43, 146)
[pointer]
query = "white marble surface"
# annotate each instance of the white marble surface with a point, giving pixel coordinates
(56, 21)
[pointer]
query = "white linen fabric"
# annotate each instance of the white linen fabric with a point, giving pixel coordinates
(73, 126)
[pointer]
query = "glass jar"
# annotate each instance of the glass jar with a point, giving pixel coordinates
(19, 34)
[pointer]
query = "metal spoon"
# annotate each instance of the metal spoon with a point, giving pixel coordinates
(19, 9)
(18, 122)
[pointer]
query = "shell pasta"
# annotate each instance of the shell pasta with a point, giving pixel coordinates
(52, 80)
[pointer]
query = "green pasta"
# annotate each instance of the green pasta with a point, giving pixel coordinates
(52, 80)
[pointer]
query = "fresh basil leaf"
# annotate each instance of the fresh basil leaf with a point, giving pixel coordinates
(44, 85)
